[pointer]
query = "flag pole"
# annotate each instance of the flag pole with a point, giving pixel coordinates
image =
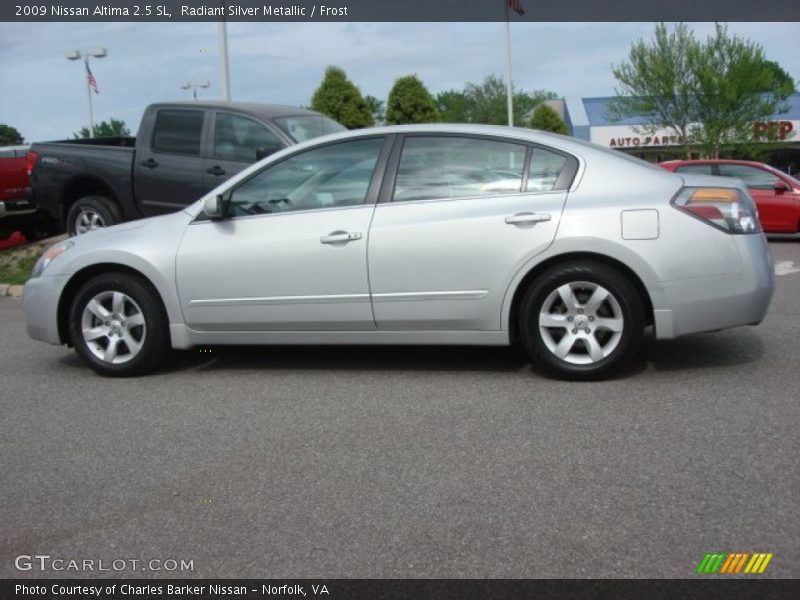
(509, 89)
(89, 94)
(222, 37)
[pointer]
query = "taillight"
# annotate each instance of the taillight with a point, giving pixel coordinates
(30, 161)
(728, 209)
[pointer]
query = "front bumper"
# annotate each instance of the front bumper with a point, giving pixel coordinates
(40, 302)
(713, 303)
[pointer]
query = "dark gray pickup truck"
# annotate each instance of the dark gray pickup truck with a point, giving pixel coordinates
(181, 151)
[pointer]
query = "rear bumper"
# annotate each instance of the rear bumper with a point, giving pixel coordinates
(40, 302)
(713, 303)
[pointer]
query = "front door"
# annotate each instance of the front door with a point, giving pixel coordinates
(293, 253)
(776, 209)
(462, 220)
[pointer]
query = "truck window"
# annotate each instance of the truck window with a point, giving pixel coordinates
(178, 132)
(238, 138)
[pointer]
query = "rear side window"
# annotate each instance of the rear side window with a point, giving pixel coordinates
(546, 168)
(753, 177)
(458, 167)
(695, 169)
(178, 132)
(239, 138)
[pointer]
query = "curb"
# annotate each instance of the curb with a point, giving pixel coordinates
(13, 291)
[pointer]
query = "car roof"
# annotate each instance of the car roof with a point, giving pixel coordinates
(264, 111)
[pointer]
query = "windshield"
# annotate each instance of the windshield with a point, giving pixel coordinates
(304, 127)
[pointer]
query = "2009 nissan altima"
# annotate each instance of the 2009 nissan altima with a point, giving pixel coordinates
(430, 234)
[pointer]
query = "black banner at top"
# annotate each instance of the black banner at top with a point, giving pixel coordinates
(398, 10)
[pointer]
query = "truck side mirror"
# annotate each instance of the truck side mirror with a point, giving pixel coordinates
(264, 151)
(216, 207)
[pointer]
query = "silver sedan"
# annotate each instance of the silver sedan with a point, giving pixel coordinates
(435, 234)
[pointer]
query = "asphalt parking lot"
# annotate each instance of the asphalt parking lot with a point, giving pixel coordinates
(408, 462)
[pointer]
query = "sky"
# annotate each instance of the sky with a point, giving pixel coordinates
(43, 95)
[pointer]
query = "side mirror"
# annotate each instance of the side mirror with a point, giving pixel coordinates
(264, 151)
(780, 186)
(216, 207)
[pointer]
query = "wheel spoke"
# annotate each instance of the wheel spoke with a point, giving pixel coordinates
(610, 324)
(134, 320)
(552, 320)
(564, 345)
(94, 333)
(568, 297)
(98, 310)
(132, 344)
(595, 351)
(117, 304)
(597, 298)
(111, 349)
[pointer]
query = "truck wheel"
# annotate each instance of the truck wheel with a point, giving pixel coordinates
(118, 326)
(91, 212)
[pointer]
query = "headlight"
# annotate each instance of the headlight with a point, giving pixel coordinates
(50, 255)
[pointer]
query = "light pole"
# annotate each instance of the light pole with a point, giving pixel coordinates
(193, 85)
(77, 55)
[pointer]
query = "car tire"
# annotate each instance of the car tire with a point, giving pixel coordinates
(118, 325)
(91, 212)
(581, 320)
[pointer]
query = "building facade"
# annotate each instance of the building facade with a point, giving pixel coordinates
(588, 119)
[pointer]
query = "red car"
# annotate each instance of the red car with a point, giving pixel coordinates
(777, 194)
(16, 209)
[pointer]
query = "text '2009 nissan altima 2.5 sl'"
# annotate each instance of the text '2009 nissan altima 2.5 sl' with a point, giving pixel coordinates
(435, 234)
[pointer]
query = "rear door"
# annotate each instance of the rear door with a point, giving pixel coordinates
(169, 167)
(458, 217)
(777, 209)
(235, 142)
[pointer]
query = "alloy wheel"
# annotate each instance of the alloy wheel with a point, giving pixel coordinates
(113, 327)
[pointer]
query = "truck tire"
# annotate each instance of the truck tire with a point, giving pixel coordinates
(91, 212)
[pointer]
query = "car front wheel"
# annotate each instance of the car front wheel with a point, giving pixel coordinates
(581, 320)
(117, 325)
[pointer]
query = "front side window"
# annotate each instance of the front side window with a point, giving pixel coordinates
(178, 132)
(705, 169)
(239, 138)
(752, 176)
(305, 127)
(458, 167)
(327, 177)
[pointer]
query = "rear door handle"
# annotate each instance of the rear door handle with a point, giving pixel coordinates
(150, 163)
(216, 170)
(525, 218)
(340, 237)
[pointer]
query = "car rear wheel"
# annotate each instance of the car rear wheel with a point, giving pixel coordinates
(581, 320)
(117, 325)
(91, 212)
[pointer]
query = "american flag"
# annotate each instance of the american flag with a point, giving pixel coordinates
(93, 82)
(516, 6)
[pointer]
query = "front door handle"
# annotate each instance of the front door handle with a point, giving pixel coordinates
(340, 237)
(527, 218)
(150, 163)
(216, 171)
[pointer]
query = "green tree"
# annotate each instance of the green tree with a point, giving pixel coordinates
(410, 102)
(9, 136)
(486, 102)
(709, 94)
(547, 119)
(657, 82)
(735, 89)
(453, 106)
(376, 108)
(341, 100)
(111, 128)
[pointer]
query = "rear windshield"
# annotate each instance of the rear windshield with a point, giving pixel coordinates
(304, 127)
